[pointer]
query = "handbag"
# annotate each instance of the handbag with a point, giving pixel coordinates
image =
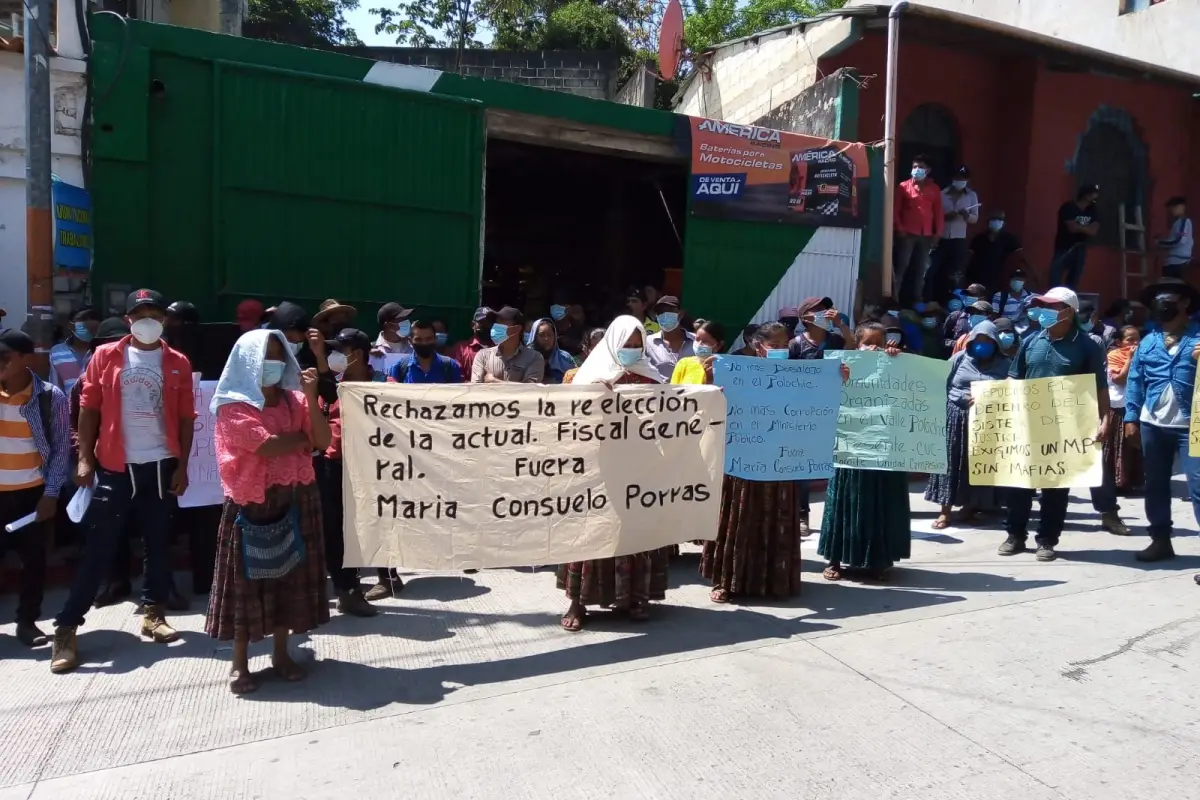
(271, 550)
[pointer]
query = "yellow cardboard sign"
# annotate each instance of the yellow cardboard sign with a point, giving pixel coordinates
(1194, 428)
(1035, 434)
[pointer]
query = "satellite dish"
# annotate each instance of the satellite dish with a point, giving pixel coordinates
(670, 40)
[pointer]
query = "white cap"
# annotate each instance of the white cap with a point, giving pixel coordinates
(1060, 294)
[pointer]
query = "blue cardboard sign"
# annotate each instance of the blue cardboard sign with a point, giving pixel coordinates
(72, 226)
(781, 418)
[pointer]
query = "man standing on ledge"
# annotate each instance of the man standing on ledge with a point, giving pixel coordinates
(918, 222)
(1058, 349)
(508, 361)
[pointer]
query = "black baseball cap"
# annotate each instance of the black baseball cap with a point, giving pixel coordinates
(482, 313)
(13, 340)
(290, 317)
(510, 316)
(392, 312)
(184, 312)
(350, 338)
(86, 314)
(112, 329)
(145, 297)
(963, 172)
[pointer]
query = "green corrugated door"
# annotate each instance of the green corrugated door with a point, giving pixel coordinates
(216, 181)
(330, 187)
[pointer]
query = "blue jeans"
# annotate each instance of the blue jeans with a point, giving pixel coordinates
(1159, 446)
(1066, 268)
(142, 496)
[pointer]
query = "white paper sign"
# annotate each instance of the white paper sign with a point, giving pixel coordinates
(457, 476)
(204, 484)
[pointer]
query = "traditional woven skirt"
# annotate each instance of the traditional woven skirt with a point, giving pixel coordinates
(1122, 456)
(757, 551)
(954, 488)
(867, 523)
(299, 601)
(619, 581)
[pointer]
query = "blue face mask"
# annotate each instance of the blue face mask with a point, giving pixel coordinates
(955, 304)
(959, 185)
(778, 353)
(1044, 317)
(272, 372)
(403, 329)
(995, 224)
(628, 356)
(975, 319)
(1016, 285)
(668, 320)
(528, 338)
(982, 350)
(894, 339)
(499, 333)
(929, 323)
(702, 350)
(918, 173)
(441, 338)
(1085, 325)
(1007, 339)
(82, 333)
(557, 312)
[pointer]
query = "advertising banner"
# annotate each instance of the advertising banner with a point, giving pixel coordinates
(466, 476)
(760, 174)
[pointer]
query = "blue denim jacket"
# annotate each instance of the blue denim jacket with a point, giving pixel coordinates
(1152, 368)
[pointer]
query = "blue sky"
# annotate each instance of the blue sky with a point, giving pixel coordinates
(363, 22)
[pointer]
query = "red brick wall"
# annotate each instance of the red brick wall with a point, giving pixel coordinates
(1019, 125)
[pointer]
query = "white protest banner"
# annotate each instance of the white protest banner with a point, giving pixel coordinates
(204, 485)
(459, 476)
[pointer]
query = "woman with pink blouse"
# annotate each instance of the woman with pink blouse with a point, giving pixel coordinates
(270, 569)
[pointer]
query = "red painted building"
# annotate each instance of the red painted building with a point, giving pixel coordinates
(1032, 118)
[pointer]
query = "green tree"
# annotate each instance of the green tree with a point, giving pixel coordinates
(308, 23)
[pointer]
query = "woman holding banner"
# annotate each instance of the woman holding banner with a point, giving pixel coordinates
(866, 522)
(630, 582)
(270, 571)
(757, 551)
(980, 360)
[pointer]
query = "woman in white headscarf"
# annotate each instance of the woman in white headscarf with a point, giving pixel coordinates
(628, 583)
(270, 569)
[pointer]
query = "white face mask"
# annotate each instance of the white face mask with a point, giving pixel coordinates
(338, 362)
(295, 347)
(146, 330)
(272, 372)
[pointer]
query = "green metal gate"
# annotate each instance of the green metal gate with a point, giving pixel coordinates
(228, 180)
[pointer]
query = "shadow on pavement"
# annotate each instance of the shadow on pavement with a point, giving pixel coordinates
(673, 630)
(1124, 558)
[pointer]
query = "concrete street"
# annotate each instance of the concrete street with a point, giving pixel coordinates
(969, 676)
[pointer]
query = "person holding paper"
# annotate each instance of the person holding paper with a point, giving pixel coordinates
(1158, 406)
(268, 423)
(1059, 348)
(627, 583)
(980, 360)
(136, 418)
(757, 551)
(866, 522)
(35, 456)
(350, 359)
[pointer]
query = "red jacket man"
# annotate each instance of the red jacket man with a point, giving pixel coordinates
(918, 222)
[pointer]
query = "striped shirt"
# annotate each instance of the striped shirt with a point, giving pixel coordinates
(20, 461)
(66, 365)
